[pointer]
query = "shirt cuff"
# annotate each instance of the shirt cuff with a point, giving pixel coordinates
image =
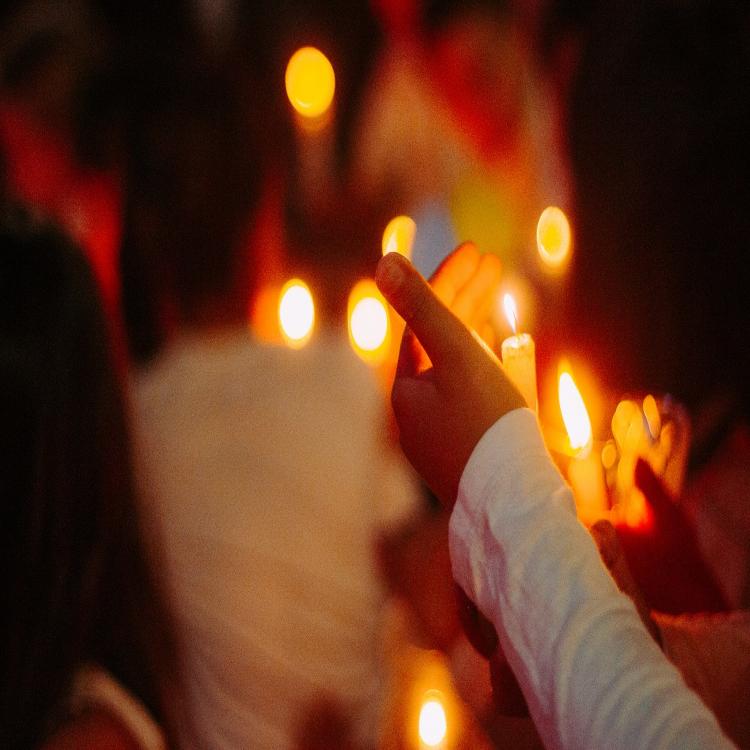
(508, 475)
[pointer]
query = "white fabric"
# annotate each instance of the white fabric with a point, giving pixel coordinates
(270, 477)
(95, 687)
(591, 674)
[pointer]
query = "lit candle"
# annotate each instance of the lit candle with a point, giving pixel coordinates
(519, 357)
(585, 472)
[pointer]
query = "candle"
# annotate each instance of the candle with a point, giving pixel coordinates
(585, 473)
(519, 356)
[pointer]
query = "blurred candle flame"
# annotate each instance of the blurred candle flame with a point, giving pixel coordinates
(553, 237)
(433, 724)
(296, 313)
(398, 236)
(511, 312)
(574, 413)
(369, 326)
(310, 82)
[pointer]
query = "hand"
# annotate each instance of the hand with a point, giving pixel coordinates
(665, 557)
(467, 282)
(416, 564)
(324, 726)
(449, 387)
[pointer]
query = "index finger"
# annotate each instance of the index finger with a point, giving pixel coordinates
(443, 336)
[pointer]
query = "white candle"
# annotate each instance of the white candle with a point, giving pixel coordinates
(519, 356)
(587, 481)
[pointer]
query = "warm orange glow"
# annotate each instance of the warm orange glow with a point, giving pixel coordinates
(653, 417)
(310, 82)
(553, 237)
(369, 323)
(633, 428)
(398, 236)
(296, 313)
(433, 724)
(369, 328)
(609, 455)
(574, 414)
(511, 312)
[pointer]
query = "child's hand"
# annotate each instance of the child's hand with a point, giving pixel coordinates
(445, 404)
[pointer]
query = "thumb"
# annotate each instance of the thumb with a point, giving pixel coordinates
(441, 333)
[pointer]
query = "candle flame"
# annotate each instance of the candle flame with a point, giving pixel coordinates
(369, 326)
(296, 313)
(511, 312)
(553, 237)
(398, 236)
(310, 82)
(574, 413)
(433, 724)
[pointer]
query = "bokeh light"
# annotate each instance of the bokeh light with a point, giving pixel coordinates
(310, 82)
(553, 237)
(433, 724)
(398, 236)
(369, 327)
(296, 313)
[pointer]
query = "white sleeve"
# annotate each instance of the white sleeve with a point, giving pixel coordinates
(591, 674)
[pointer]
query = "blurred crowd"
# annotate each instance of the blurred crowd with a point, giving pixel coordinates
(211, 539)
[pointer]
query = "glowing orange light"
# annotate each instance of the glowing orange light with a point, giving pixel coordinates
(653, 417)
(310, 82)
(574, 414)
(609, 455)
(511, 312)
(398, 236)
(369, 328)
(553, 237)
(296, 313)
(433, 724)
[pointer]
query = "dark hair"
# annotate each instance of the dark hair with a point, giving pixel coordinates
(658, 143)
(437, 14)
(560, 19)
(77, 586)
(195, 165)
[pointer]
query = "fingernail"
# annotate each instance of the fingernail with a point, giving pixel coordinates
(389, 274)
